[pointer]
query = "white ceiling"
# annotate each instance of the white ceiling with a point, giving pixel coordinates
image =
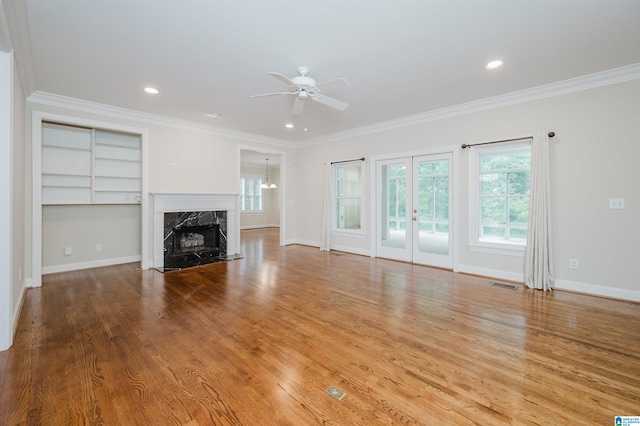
(401, 57)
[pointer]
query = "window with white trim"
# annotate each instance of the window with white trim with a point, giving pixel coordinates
(499, 205)
(348, 196)
(250, 194)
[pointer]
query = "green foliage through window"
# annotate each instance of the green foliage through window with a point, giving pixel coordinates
(505, 183)
(348, 196)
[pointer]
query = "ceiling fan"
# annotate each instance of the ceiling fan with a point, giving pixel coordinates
(305, 87)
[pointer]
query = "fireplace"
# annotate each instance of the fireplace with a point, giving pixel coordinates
(193, 229)
(194, 238)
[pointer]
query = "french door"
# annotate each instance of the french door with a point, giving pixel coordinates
(414, 209)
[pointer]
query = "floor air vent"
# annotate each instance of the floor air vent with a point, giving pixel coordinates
(335, 393)
(503, 285)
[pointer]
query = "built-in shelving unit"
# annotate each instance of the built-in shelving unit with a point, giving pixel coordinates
(90, 166)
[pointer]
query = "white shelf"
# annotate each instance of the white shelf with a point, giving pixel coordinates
(89, 166)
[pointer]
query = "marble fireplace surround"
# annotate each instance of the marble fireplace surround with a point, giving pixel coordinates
(165, 203)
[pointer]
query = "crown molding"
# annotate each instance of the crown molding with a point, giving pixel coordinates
(58, 101)
(590, 81)
(18, 25)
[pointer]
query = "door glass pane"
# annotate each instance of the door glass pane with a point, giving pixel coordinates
(394, 226)
(433, 207)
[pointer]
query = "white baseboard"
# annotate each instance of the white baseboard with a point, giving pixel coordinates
(304, 242)
(91, 264)
(352, 250)
(491, 273)
(258, 226)
(578, 287)
(598, 290)
(17, 310)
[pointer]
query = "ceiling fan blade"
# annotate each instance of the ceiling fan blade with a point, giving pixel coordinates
(331, 102)
(272, 94)
(334, 80)
(298, 106)
(282, 78)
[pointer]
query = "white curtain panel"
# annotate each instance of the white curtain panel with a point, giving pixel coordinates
(538, 257)
(325, 238)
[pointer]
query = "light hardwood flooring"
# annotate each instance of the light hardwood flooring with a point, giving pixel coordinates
(256, 341)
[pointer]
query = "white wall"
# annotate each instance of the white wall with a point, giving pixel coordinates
(181, 158)
(6, 202)
(18, 219)
(117, 228)
(12, 178)
(594, 158)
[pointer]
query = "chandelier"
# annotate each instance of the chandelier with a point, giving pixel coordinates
(267, 184)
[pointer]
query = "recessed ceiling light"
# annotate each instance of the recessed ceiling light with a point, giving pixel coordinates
(151, 90)
(494, 64)
(214, 114)
(289, 126)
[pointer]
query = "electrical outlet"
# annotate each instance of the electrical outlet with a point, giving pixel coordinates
(574, 264)
(99, 247)
(616, 203)
(68, 251)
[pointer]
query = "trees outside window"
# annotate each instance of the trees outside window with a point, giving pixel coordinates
(500, 187)
(348, 196)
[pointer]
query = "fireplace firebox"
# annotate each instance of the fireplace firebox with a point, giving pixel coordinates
(194, 238)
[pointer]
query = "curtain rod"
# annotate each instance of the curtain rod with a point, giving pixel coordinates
(347, 161)
(464, 145)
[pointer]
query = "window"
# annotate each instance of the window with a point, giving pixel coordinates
(348, 196)
(501, 180)
(250, 194)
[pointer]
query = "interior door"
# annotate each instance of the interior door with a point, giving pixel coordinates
(414, 210)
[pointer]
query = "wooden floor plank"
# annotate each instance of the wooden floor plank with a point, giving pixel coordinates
(256, 341)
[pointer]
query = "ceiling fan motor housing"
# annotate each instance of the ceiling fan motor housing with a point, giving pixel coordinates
(303, 82)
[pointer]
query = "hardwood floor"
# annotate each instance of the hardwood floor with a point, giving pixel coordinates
(256, 341)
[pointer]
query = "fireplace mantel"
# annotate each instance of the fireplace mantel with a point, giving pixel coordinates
(170, 202)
